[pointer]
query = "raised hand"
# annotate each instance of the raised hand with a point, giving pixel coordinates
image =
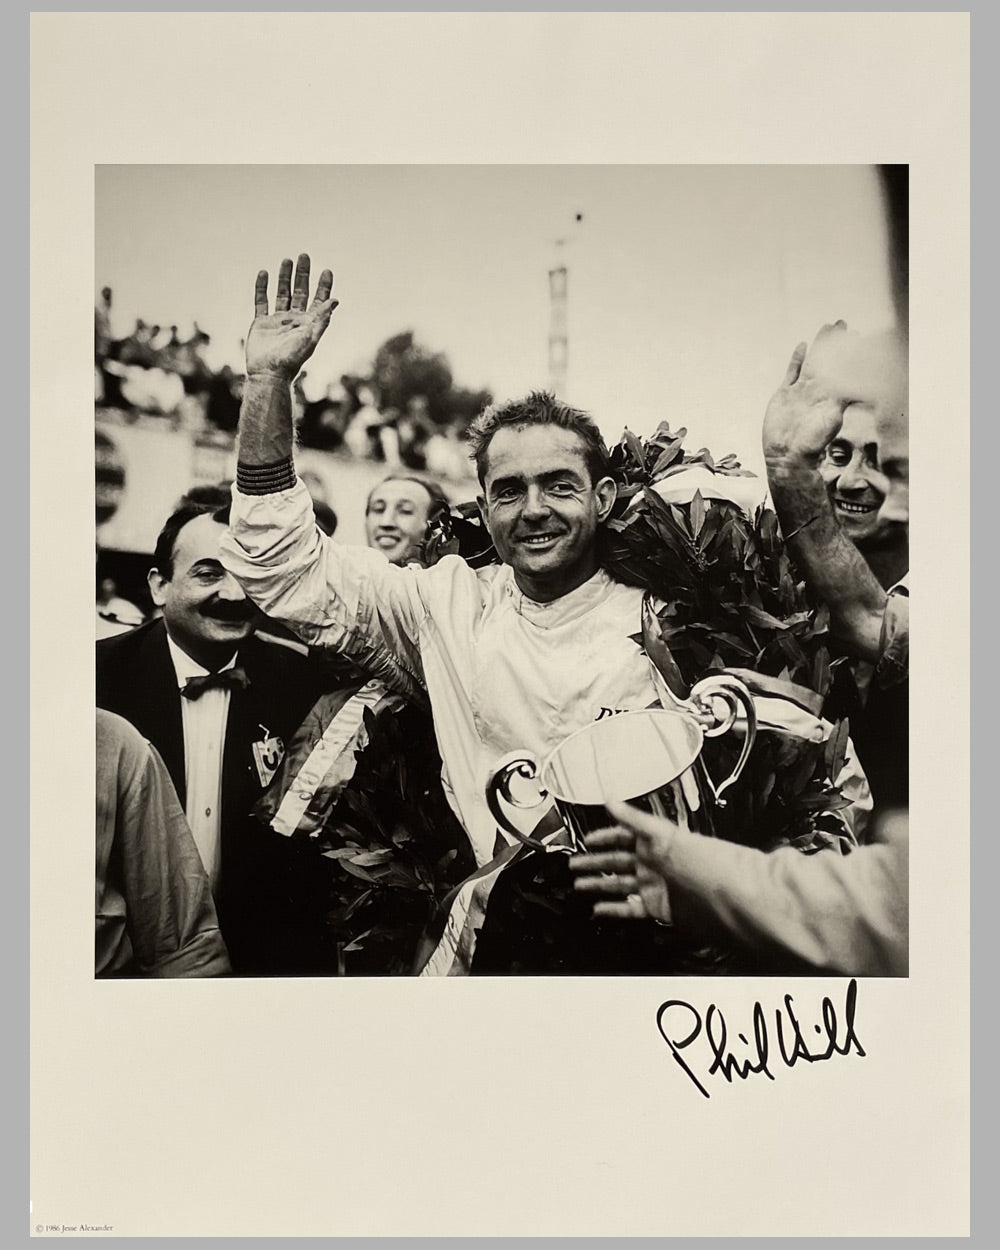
(807, 409)
(279, 343)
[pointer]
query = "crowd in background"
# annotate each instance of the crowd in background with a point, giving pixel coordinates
(153, 370)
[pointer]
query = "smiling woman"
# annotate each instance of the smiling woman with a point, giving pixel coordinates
(398, 513)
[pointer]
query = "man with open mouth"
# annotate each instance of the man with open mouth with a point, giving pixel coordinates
(864, 584)
(858, 487)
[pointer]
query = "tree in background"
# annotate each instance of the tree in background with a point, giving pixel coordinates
(404, 370)
(406, 410)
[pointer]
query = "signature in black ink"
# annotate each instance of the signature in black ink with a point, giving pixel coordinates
(681, 1024)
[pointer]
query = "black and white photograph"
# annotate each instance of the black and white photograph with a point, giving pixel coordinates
(494, 720)
(404, 574)
(518, 530)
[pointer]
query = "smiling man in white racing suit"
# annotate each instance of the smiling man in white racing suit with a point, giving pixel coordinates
(513, 656)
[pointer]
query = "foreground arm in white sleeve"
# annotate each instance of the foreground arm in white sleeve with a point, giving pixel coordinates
(840, 913)
(154, 911)
(348, 598)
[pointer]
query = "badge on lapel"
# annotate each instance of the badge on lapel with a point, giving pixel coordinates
(268, 752)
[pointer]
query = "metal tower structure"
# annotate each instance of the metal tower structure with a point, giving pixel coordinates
(558, 337)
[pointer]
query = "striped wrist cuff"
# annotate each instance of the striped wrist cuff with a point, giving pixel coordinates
(265, 479)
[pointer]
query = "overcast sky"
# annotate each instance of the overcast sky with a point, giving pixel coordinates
(688, 285)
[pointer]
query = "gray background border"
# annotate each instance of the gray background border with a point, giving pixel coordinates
(15, 503)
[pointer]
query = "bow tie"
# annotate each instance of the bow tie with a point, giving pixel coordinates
(228, 679)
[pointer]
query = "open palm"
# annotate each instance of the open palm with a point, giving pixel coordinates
(281, 342)
(807, 410)
(621, 884)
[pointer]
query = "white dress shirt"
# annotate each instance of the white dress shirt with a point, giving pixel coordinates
(204, 721)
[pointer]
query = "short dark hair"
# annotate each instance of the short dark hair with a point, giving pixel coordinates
(538, 408)
(440, 503)
(325, 516)
(208, 495)
(187, 510)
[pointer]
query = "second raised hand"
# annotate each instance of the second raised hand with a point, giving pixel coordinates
(807, 410)
(279, 343)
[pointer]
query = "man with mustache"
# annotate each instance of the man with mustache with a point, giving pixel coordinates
(218, 704)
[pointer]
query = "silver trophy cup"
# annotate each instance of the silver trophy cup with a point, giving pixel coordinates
(650, 758)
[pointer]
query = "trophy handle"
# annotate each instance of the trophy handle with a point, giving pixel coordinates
(736, 697)
(515, 765)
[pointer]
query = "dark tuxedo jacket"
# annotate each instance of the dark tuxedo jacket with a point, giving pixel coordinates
(270, 898)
